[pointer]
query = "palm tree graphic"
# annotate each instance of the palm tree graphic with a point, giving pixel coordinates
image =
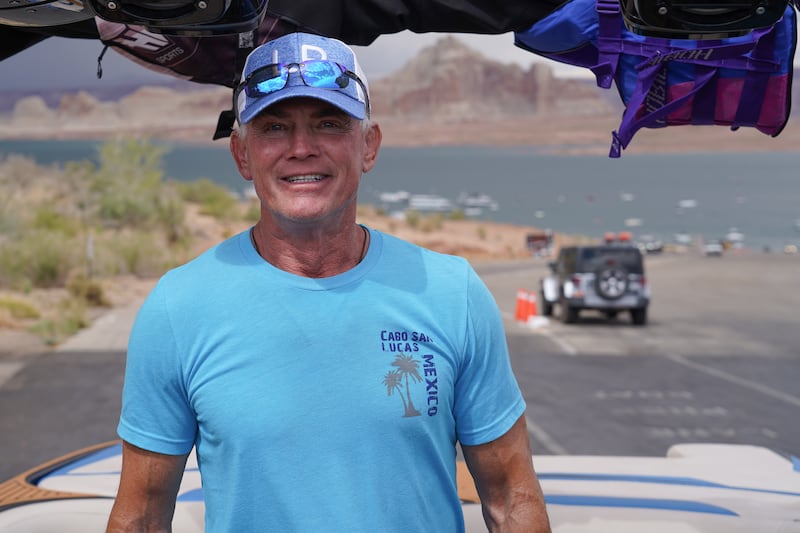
(407, 367)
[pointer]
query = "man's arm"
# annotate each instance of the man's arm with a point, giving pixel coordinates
(148, 488)
(511, 497)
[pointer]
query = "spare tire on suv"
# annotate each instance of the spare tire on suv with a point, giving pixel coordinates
(611, 283)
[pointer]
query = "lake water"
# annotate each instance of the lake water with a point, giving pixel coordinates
(660, 195)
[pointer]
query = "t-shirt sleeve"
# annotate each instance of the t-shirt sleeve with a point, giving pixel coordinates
(488, 398)
(156, 412)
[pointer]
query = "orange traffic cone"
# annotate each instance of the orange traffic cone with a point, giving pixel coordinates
(531, 309)
(520, 313)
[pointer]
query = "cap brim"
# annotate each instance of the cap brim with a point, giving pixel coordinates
(352, 107)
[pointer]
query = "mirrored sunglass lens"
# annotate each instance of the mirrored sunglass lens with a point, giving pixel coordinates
(271, 85)
(270, 79)
(323, 74)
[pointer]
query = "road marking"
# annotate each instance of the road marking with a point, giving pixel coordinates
(763, 389)
(566, 347)
(687, 433)
(549, 443)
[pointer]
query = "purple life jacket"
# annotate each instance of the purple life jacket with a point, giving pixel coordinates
(735, 81)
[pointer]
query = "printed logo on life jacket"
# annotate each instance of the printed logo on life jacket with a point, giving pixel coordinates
(160, 49)
(689, 54)
(656, 97)
(412, 378)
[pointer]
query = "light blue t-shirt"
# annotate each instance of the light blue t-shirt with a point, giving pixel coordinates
(327, 404)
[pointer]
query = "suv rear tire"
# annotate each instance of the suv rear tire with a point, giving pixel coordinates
(547, 307)
(639, 316)
(569, 314)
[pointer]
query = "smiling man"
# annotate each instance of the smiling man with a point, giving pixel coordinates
(324, 372)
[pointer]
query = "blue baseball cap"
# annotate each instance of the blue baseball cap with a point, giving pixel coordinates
(298, 48)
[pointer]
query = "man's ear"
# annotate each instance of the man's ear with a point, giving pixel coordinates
(239, 152)
(372, 139)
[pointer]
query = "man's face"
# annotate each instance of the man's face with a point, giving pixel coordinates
(305, 158)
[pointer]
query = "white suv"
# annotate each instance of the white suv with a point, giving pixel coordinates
(608, 278)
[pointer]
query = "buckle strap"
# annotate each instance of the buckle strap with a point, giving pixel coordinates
(227, 117)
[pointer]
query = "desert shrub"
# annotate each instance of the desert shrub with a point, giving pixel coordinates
(68, 318)
(214, 200)
(136, 219)
(222, 207)
(18, 308)
(253, 211)
(10, 221)
(51, 258)
(120, 208)
(431, 222)
(39, 258)
(128, 183)
(139, 252)
(413, 218)
(457, 214)
(89, 290)
(481, 233)
(171, 216)
(48, 219)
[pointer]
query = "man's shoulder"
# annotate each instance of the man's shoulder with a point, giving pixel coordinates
(394, 243)
(409, 253)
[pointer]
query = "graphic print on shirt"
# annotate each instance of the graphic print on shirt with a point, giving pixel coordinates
(405, 378)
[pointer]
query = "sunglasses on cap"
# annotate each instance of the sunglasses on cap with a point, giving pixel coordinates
(318, 73)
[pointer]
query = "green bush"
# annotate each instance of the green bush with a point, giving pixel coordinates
(139, 253)
(18, 308)
(171, 214)
(413, 218)
(126, 186)
(122, 209)
(253, 211)
(432, 222)
(48, 219)
(89, 290)
(214, 200)
(40, 259)
(457, 214)
(138, 220)
(69, 318)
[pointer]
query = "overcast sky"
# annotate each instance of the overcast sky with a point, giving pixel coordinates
(72, 63)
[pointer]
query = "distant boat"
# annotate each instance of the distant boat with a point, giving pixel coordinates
(394, 197)
(477, 200)
(734, 236)
(429, 202)
(633, 222)
(687, 204)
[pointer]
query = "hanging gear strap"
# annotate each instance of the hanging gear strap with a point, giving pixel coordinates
(755, 85)
(227, 118)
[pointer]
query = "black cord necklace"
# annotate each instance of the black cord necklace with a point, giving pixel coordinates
(360, 255)
(363, 245)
